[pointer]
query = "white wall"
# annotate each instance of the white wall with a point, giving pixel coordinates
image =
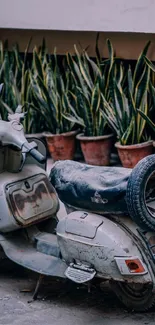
(86, 15)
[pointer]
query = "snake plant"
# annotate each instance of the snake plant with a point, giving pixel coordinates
(91, 80)
(122, 112)
(86, 111)
(147, 118)
(15, 72)
(50, 94)
(90, 93)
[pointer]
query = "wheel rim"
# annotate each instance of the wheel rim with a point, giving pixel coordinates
(149, 194)
(135, 291)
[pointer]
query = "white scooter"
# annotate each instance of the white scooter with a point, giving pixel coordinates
(82, 246)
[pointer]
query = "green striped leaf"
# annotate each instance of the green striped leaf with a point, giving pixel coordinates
(149, 64)
(140, 63)
(38, 65)
(147, 119)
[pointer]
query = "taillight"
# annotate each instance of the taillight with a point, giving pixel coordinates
(131, 265)
(135, 266)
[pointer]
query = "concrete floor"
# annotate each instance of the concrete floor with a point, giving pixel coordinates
(59, 303)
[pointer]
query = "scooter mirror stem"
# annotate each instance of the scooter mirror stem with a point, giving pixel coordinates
(23, 161)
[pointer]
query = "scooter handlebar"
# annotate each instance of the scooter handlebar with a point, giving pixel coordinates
(38, 156)
(31, 149)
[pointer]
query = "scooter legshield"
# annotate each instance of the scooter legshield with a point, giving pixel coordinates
(22, 252)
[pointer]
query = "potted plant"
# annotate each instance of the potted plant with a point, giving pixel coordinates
(92, 81)
(149, 119)
(51, 100)
(96, 140)
(16, 76)
(123, 113)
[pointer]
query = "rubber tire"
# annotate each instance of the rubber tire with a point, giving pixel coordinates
(140, 305)
(135, 195)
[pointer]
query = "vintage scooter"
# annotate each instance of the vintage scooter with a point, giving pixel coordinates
(86, 245)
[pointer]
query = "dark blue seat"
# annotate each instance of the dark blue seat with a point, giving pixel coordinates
(94, 188)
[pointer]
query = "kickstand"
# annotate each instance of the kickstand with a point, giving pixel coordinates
(39, 281)
(41, 276)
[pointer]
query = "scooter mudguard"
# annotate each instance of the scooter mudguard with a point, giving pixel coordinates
(22, 252)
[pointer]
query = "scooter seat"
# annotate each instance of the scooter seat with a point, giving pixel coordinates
(93, 188)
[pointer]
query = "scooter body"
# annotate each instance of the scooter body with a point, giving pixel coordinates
(84, 245)
(94, 241)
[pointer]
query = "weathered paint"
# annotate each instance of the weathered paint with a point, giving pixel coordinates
(7, 219)
(32, 199)
(110, 241)
(19, 250)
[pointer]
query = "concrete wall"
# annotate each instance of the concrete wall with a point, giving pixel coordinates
(127, 45)
(79, 15)
(129, 24)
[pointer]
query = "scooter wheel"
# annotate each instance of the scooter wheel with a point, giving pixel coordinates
(137, 297)
(140, 193)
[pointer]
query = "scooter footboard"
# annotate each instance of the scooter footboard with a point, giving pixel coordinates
(22, 252)
(95, 241)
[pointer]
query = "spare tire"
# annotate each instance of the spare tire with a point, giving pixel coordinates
(140, 193)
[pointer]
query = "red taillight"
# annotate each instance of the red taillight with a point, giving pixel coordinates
(135, 266)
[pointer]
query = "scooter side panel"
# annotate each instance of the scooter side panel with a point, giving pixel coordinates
(110, 241)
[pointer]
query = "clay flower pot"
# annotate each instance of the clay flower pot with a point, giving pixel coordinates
(61, 146)
(130, 155)
(96, 150)
(35, 135)
(39, 136)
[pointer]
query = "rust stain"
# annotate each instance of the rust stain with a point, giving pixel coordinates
(20, 200)
(33, 195)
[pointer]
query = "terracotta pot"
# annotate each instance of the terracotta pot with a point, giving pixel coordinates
(61, 146)
(96, 150)
(35, 135)
(130, 155)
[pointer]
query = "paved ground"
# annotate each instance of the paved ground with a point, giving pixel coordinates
(59, 303)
